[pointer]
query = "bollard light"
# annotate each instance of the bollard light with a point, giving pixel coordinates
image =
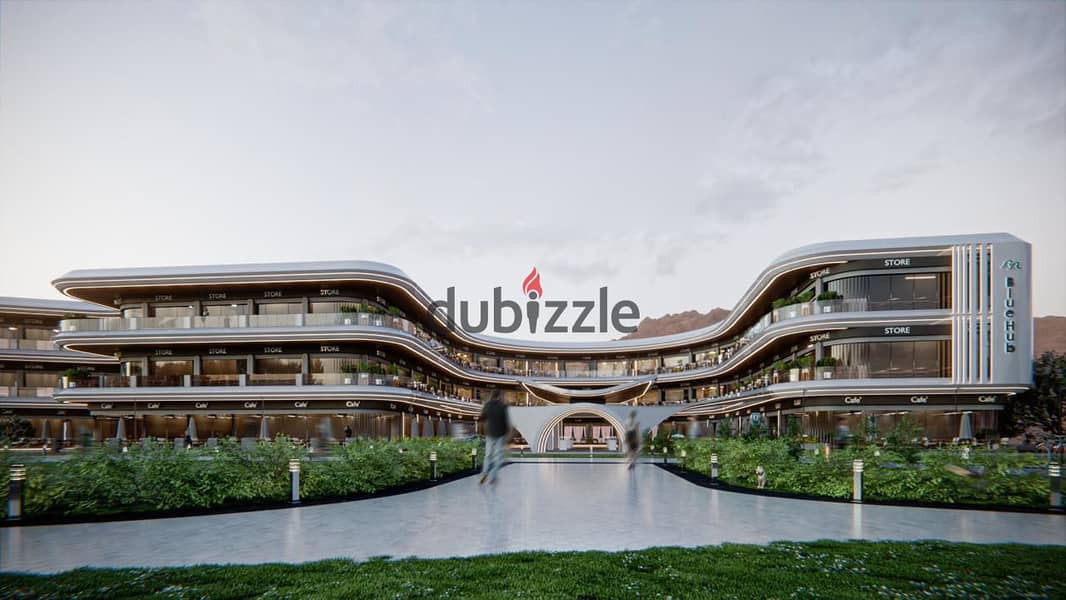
(1054, 473)
(856, 469)
(664, 454)
(714, 468)
(684, 455)
(16, 485)
(433, 463)
(473, 458)
(294, 475)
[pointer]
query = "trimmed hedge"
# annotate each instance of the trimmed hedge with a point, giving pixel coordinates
(157, 478)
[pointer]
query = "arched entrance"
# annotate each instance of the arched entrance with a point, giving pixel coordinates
(549, 428)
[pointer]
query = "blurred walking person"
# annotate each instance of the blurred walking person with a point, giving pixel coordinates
(497, 427)
(632, 439)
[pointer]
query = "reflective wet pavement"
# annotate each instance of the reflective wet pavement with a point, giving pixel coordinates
(535, 506)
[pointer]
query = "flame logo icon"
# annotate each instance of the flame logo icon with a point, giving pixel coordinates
(531, 285)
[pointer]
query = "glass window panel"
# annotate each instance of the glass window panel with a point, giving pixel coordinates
(279, 308)
(171, 367)
(271, 366)
(675, 360)
(926, 291)
(926, 359)
(578, 368)
(132, 367)
(610, 368)
(646, 365)
(7, 378)
(902, 364)
(225, 310)
(39, 379)
(880, 358)
(130, 313)
(172, 311)
(879, 293)
(224, 366)
(37, 333)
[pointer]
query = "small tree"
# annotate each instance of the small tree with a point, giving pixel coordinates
(15, 428)
(1044, 405)
(901, 438)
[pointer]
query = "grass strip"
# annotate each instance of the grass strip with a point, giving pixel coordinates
(780, 570)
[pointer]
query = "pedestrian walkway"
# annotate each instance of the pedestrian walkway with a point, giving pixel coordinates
(535, 506)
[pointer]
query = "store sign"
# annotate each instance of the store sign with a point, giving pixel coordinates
(216, 296)
(852, 399)
(300, 404)
(201, 405)
(352, 404)
(905, 330)
(986, 399)
(1008, 306)
(164, 352)
(818, 337)
(919, 399)
(817, 274)
(329, 292)
(152, 405)
(216, 351)
(249, 405)
(897, 262)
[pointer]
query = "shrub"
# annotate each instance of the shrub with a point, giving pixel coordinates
(156, 477)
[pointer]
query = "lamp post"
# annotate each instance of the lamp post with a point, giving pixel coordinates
(665, 450)
(856, 469)
(294, 476)
(1055, 475)
(684, 456)
(16, 485)
(433, 463)
(714, 468)
(473, 458)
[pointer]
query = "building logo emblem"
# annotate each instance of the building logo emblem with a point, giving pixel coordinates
(1012, 265)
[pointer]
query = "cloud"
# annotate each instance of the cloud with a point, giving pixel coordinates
(902, 175)
(738, 198)
(373, 47)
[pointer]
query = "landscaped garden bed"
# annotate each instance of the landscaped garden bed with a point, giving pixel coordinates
(156, 478)
(973, 476)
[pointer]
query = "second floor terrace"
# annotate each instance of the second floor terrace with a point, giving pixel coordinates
(79, 333)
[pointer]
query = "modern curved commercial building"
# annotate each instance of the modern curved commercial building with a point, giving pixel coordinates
(31, 366)
(936, 326)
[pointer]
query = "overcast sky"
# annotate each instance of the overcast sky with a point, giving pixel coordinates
(666, 150)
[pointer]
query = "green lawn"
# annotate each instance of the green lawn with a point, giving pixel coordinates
(781, 570)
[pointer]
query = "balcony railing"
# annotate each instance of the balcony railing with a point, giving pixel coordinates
(721, 354)
(294, 379)
(10, 344)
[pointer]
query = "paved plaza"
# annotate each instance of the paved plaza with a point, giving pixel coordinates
(535, 506)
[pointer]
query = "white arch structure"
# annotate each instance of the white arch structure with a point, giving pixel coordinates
(536, 423)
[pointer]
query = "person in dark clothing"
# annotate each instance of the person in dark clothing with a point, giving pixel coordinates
(347, 432)
(497, 426)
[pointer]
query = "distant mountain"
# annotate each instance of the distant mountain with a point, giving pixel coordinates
(676, 323)
(1049, 332)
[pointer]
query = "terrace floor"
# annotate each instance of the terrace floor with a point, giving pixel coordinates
(570, 505)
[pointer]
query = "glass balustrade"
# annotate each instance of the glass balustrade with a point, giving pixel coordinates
(634, 367)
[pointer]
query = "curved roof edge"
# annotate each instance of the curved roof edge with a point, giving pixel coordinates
(45, 306)
(247, 269)
(930, 241)
(793, 259)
